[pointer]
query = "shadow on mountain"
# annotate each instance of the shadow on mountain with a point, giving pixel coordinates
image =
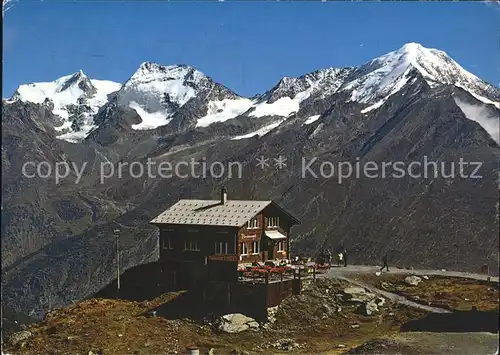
(148, 281)
(139, 283)
(459, 321)
(187, 305)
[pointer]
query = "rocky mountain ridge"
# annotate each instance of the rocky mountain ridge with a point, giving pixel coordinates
(185, 98)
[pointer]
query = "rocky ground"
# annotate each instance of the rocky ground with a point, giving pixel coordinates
(331, 316)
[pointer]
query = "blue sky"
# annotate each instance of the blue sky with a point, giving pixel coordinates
(248, 46)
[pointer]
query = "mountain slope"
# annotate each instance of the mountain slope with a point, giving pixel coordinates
(404, 106)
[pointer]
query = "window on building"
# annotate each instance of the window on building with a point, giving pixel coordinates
(253, 223)
(256, 247)
(244, 249)
(167, 243)
(273, 221)
(221, 248)
(281, 245)
(191, 245)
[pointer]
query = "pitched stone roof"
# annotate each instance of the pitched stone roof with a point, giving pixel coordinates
(234, 213)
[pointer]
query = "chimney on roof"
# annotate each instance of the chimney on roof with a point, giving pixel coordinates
(223, 196)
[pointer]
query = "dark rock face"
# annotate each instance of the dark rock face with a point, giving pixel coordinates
(13, 322)
(459, 321)
(57, 239)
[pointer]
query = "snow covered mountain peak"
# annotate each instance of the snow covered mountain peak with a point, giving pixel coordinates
(75, 98)
(75, 84)
(78, 80)
(380, 78)
(412, 46)
(149, 71)
(154, 86)
(157, 92)
(435, 65)
(413, 50)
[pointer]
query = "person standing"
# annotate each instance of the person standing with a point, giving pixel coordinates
(385, 265)
(345, 257)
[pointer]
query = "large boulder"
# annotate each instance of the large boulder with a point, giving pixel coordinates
(370, 303)
(354, 290)
(236, 323)
(271, 314)
(413, 280)
(371, 307)
(358, 295)
(19, 338)
(368, 309)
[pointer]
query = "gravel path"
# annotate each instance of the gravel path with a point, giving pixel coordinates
(346, 273)
(393, 297)
(363, 269)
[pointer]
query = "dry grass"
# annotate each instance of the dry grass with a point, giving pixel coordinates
(110, 327)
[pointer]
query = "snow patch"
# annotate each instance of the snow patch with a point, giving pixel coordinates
(66, 125)
(482, 115)
(316, 131)
(396, 87)
(284, 106)
(104, 88)
(375, 106)
(311, 119)
(260, 132)
(149, 120)
(220, 111)
(76, 136)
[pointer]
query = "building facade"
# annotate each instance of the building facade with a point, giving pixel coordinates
(202, 239)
